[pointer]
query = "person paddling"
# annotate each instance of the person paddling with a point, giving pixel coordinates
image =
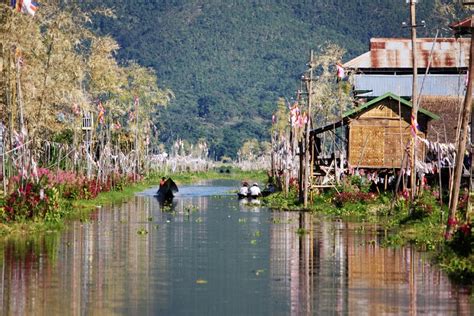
(244, 190)
(255, 191)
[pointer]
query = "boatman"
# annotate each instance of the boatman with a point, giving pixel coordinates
(162, 181)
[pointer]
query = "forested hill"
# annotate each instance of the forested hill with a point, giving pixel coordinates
(228, 61)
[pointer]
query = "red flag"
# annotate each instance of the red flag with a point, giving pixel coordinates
(340, 72)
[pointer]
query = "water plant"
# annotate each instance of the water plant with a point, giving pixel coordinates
(302, 231)
(142, 231)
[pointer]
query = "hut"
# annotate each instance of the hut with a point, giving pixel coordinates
(442, 62)
(376, 136)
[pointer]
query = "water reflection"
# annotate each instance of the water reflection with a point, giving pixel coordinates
(209, 253)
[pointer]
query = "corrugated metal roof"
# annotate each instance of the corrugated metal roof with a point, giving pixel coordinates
(395, 53)
(434, 85)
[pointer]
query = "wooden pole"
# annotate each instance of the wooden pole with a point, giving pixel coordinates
(19, 92)
(136, 140)
(301, 186)
(308, 129)
(458, 167)
(450, 169)
(414, 100)
(439, 173)
(23, 132)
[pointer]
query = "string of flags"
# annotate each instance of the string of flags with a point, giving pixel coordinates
(297, 118)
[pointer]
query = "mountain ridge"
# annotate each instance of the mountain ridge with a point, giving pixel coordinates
(229, 61)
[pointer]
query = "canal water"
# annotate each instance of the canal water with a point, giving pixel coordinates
(209, 254)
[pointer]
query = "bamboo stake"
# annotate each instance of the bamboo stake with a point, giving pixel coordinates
(402, 149)
(458, 167)
(414, 112)
(136, 140)
(439, 175)
(308, 124)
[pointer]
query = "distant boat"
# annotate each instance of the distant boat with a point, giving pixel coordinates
(266, 192)
(167, 190)
(248, 196)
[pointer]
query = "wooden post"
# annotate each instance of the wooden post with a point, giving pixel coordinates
(458, 167)
(414, 100)
(136, 140)
(439, 173)
(309, 85)
(19, 92)
(301, 187)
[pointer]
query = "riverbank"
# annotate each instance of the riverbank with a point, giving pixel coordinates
(60, 209)
(420, 225)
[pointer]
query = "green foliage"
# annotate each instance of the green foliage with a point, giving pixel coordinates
(354, 184)
(456, 256)
(418, 224)
(424, 206)
(67, 69)
(279, 201)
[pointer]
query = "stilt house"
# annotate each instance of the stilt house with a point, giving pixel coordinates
(442, 67)
(377, 134)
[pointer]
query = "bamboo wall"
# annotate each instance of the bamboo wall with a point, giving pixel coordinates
(377, 138)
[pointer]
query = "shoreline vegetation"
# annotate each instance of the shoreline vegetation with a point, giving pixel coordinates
(420, 224)
(63, 204)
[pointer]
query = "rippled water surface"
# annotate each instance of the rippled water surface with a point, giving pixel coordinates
(209, 254)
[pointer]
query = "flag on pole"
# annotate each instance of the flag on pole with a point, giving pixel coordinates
(19, 58)
(76, 109)
(28, 6)
(414, 126)
(340, 72)
(131, 116)
(100, 117)
(136, 100)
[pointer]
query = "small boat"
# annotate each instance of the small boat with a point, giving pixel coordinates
(247, 196)
(242, 196)
(167, 190)
(268, 190)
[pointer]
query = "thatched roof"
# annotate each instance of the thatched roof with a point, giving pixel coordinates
(447, 108)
